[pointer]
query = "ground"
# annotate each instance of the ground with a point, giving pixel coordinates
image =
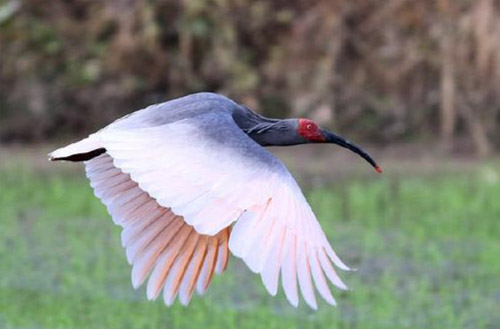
(423, 237)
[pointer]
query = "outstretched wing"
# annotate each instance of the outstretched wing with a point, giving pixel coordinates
(157, 241)
(211, 174)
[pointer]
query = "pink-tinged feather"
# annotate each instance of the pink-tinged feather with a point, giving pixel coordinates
(330, 271)
(238, 241)
(109, 182)
(132, 231)
(223, 252)
(319, 278)
(193, 270)
(97, 177)
(304, 276)
(145, 262)
(119, 193)
(164, 263)
(258, 247)
(289, 269)
(135, 248)
(335, 259)
(271, 269)
(174, 277)
(208, 266)
(135, 211)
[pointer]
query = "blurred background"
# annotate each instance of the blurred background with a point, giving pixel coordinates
(416, 82)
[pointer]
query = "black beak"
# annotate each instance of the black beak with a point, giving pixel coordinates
(335, 139)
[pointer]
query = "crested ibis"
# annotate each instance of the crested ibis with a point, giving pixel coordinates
(189, 182)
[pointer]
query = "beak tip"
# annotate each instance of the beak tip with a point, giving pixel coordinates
(378, 169)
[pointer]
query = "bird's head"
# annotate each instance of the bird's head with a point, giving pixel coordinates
(312, 133)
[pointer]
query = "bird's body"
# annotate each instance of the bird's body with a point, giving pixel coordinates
(189, 182)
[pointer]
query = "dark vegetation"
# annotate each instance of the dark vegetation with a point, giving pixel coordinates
(383, 71)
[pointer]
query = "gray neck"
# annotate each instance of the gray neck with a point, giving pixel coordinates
(267, 131)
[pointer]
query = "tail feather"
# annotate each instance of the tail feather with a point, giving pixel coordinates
(83, 150)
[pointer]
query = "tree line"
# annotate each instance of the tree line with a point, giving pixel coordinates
(384, 71)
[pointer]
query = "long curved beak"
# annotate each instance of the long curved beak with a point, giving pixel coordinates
(336, 139)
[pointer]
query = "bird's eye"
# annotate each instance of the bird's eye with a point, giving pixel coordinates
(309, 126)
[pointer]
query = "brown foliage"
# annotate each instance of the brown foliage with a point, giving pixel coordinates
(380, 70)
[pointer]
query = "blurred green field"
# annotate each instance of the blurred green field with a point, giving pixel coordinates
(426, 248)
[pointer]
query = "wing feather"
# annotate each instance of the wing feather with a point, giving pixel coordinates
(145, 262)
(271, 269)
(174, 277)
(134, 230)
(222, 252)
(155, 238)
(149, 234)
(192, 272)
(319, 278)
(289, 268)
(304, 275)
(164, 264)
(330, 271)
(208, 267)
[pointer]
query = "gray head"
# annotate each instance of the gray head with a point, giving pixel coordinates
(274, 132)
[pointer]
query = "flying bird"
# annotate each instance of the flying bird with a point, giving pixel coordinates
(189, 182)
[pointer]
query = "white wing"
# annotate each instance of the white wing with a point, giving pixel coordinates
(207, 171)
(156, 240)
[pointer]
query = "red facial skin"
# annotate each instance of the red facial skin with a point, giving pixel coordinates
(310, 131)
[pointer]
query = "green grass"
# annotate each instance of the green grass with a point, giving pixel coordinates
(427, 250)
